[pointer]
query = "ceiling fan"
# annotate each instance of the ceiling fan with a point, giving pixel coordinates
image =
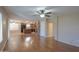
(44, 13)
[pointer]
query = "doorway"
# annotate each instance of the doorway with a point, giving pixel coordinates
(50, 29)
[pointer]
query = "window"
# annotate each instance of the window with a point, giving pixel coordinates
(1, 28)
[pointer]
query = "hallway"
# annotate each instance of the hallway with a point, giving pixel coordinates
(33, 43)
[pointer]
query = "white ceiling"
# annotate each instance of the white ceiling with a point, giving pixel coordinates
(28, 12)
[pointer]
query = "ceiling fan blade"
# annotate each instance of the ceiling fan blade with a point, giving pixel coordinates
(47, 15)
(35, 15)
(38, 12)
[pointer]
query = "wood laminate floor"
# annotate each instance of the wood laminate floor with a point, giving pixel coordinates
(34, 43)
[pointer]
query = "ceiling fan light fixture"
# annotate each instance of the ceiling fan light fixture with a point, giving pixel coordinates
(42, 15)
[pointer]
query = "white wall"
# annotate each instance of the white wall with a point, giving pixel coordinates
(68, 29)
(4, 27)
(14, 26)
(43, 27)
